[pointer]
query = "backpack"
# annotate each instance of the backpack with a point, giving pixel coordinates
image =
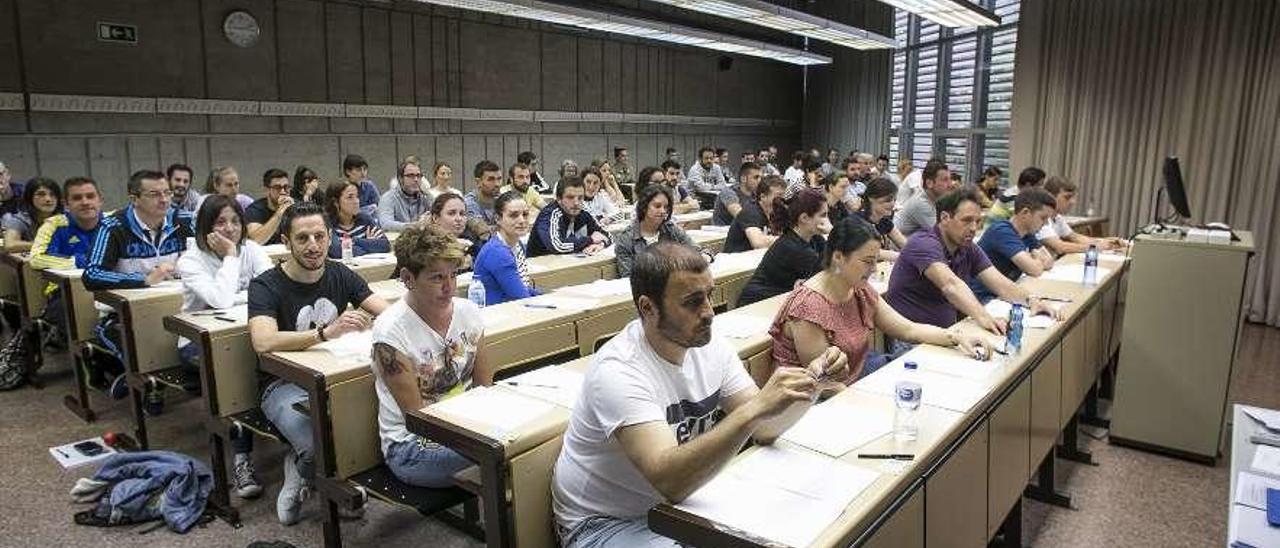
(13, 361)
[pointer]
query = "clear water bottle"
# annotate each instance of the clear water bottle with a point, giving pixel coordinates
(907, 394)
(1091, 210)
(475, 292)
(1013, 339)
(1091, 266)
(348, 251)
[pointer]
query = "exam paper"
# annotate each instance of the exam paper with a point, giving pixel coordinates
(69, 457)
(599, 288)
(952, 364)
(753, 494)
(351, 348)
(1071, 273)
(501, 411)
(1000, 309)
(555, 384)
(1267, 460)
(1249, 527)
(835, 429)
(1251, 489)
(1269, 418)
(739, 326)
(239, 313)
(957, 394)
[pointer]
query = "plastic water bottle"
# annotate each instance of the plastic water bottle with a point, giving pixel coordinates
(347, 251)
(1091, 266)
(1013, 340)
(907, 394)
(475, 292)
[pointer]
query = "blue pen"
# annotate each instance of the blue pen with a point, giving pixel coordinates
(538, 305)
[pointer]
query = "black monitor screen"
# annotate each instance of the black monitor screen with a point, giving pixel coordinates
(1173, 187)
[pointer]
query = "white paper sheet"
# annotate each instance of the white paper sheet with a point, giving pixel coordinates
(1249, 526)
(953, 365)
(1269, 418)
(1267, 460)
(1251, 489)
(560, 302)
(1000, 309)
(351, 348)
(739, 326)
(1071, 273)
(834, 429)
(554, 384)
(69, 457)
(502, 411)
(599, 288)
(239, 313)
(810, 490)
(946, 391)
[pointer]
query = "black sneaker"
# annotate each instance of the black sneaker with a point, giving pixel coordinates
(153, 402)
(119, 389)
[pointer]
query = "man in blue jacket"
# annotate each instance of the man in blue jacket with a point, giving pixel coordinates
(565, 227)
(63, 242)
(135, 247)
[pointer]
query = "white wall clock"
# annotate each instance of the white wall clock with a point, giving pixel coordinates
(241, 28)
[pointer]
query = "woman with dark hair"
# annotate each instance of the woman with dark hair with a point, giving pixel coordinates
(500, 266)
(41, 199)
(836, 310)
(306, 186)
(342, 206)
(835, 186)
(449, 212)
(651, 175)
(797, 254)
(989, 186)
(596, 200)
(215, 275)
(652, 224)
(877, 210)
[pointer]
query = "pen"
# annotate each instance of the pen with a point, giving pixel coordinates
(533, 384)
(539, 305)
(224, 318)
(206, 313)
(998, 351)
(1053, 299)
(887, 456)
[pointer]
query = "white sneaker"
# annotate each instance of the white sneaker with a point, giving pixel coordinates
(246, 478)
(293, 493)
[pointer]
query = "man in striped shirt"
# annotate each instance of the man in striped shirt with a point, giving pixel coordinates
(565, 227)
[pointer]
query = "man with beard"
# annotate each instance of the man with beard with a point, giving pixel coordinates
(664, 408)
(565, 226)
(184, 197)
(262, 217)
(520, 179)
(300, 303)
(404, 206)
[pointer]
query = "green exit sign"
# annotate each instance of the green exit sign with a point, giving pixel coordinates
(116, 32)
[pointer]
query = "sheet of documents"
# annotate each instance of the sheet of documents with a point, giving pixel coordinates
(957, 394)
(69, 457)
(501, 411)
(1071, 273)
(239, 313)
(599, 288)
(951, 364)
(1249, 527)
(375, 258)
(1000, 309)
(833, 428)
(1267, 460)
(1251, 489)
(1269, 418)
(561, 302)
(555, 384)
(351, 348)
(752, 493)
(739, 326)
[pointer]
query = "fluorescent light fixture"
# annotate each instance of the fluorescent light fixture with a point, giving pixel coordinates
(636, 28)
(948, 13)
(759, 12)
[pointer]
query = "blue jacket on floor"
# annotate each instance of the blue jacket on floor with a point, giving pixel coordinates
(185, 482)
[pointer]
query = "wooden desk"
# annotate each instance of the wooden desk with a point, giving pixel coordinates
(1095, 226)
(78, 309)
(973, 463)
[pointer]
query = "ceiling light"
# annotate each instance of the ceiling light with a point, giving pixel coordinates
(641, 28)
(758, 12)
(948, 13)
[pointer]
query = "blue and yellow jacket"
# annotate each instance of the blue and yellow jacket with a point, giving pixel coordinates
(122, 254)
(61, 243)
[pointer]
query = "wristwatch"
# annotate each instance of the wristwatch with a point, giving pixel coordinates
(320, 332)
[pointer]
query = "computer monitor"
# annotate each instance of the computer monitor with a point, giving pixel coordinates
(1173, 187)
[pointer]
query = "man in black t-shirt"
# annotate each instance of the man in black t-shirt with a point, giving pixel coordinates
(749, 229)
(302, 302)
(263, 218)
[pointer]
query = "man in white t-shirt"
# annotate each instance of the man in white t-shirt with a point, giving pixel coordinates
(427, 347)
(1057, 235)
(664, 407)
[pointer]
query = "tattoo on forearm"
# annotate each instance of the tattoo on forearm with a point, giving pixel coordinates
(385, 358)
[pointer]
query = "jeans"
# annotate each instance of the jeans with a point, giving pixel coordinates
(424, 463)
(277, 405)
(608, 532)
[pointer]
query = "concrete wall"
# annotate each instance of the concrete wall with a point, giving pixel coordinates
(847, 104)
(332, 57)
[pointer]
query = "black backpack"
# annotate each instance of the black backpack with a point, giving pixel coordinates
(13, 361)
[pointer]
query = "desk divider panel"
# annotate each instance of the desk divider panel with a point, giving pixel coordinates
(236, 370)
(1046, 403)
(1076, 373)
(905, 529)
(8, 282)
(522, 348)
(956, 497)
(1094, 353)
(353, 413)
(593, 329)
(1008, 460)
(155, 347)
(531, 494)
(86, 314)
(564, 278)
(33, 291)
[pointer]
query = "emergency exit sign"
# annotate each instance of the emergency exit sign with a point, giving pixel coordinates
(116, 32)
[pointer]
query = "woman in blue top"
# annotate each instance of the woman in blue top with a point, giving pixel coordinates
(41, 199)
(500, 266)
(342, 204)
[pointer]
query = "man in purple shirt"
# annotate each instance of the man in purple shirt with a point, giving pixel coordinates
(928, 284)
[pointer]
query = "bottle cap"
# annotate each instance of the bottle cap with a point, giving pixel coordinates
(911, 366)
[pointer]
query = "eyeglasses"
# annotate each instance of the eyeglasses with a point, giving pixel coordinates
(412, 175)
(279, 188)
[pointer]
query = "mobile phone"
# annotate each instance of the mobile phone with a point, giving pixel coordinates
(89, 448)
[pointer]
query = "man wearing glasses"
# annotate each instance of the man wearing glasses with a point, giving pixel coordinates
(262, 218)
(400, 207)
(137, 246)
